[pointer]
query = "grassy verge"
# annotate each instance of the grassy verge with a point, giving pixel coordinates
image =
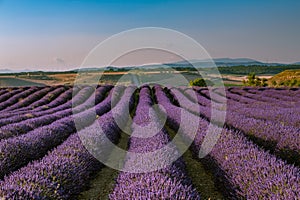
(202, 178)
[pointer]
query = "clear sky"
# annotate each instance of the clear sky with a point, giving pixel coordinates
(58, 34)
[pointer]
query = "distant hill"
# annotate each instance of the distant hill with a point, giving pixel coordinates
(286, 78)
(222, 62)
(228, 62)
(234, 60)
(5, 71)
(9, 71)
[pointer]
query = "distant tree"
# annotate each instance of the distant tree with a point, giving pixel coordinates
(294, 82)
(274, 83)
(264, 82)
(244, 82)
(253, 80)
(200, 82)
(287, 82)
(281, 83)
(257, 81)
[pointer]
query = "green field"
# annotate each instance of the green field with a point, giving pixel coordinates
(231, 76)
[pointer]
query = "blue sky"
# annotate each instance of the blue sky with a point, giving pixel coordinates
(60, 33)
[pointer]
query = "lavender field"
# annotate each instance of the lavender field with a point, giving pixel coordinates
(257, 155)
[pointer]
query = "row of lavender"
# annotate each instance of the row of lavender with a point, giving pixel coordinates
(147, 174)
(65, 171)
(255, 108)
(282, 139)
(17, 151)
(286, 95)
(38, 141)
(37, 102)
(8, 93)
(51, 100)
(53, 176)
(285, 110)
(19, 124)
(248, 171)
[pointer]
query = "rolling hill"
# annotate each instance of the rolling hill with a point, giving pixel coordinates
(286, 78)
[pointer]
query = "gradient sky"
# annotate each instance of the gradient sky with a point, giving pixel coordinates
(58, 34)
